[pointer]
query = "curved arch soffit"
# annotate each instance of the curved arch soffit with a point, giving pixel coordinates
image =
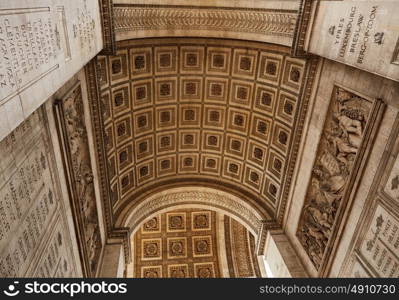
(194, 197)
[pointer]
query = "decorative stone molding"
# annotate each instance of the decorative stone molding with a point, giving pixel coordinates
(107, 20)
(98, 131)
(269, 22)
(35, 237)
(264, 228)
(199, 196)
(302, 26)
(242, 261)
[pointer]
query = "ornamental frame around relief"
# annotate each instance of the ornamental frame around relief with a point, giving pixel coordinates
(74, 143)
(346, 140)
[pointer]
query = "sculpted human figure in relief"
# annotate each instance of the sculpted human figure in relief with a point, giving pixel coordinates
(341, 138)
(83, 174)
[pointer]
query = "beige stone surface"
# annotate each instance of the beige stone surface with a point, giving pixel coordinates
(82, 79)
(357, 269)
(380, 245)
(280, 258)
(365, 84)
(363, 34)
(43, 43)
(114, 264)
(375, 243)
(36, 236)
(364, 189)
(48, 105)
(391, 187)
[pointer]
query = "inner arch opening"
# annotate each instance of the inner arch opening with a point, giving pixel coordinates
(194, 232)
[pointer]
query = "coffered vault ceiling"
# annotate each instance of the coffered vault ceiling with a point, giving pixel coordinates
(215, 112)
(193, 243)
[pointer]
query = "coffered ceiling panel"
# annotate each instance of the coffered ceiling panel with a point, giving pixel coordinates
(193, 109)
(193, 243)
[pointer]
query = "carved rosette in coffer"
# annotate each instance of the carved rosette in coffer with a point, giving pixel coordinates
(342, 152)
(79, 174)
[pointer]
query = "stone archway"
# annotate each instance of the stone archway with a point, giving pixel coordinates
(222, 205)
(201, 197)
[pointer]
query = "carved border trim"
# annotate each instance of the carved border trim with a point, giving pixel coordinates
(264, 228)
(69, 176)
(301, 28)
(203, 7)
(375, 196)
(275, 22)
(107, 24)
(304, 97)
(156, 187)
(228, 203)
(98, 131)
(395, 55)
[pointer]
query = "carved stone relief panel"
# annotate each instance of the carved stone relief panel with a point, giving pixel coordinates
(342, 147)
(30, 204)
(80, 176)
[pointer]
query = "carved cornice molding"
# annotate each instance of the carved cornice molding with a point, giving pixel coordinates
(98, 131)
(306, 93)
(212, 199)
(107, 23)
(241, 20)
(302, 27)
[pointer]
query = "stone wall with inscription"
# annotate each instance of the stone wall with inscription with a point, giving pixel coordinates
(35, 238)
(380, 245)
(374, 250)
(364, 34)
(41, 47)
(367, 86)
(81, 182)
